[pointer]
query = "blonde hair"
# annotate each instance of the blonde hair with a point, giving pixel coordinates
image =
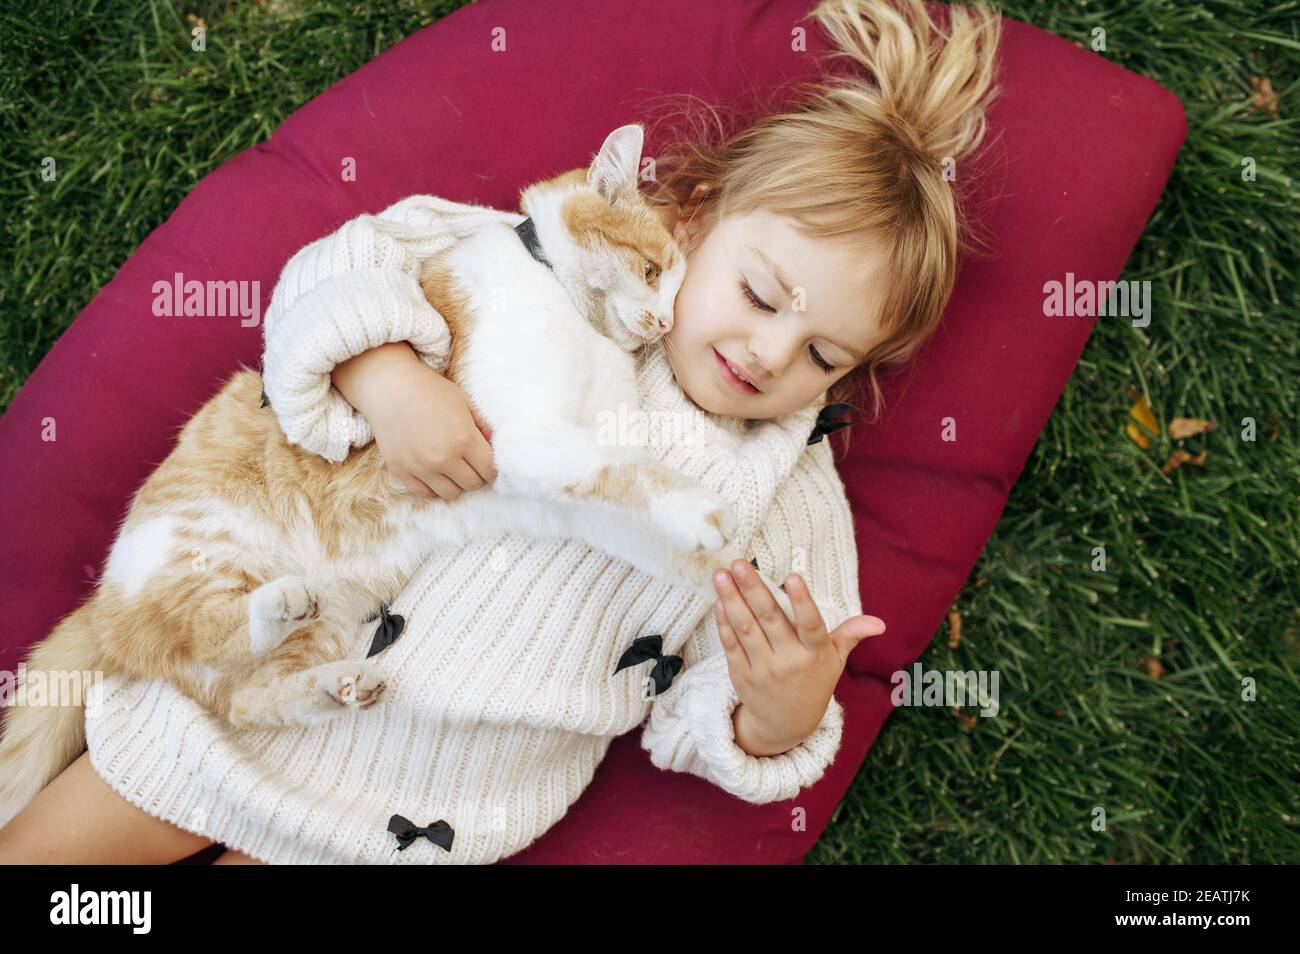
(862, 155)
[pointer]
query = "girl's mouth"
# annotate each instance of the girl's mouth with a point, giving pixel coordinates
(734, 381)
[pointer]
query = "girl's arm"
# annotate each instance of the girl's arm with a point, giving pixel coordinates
(427, 431)
(692, 727)
(347, 293)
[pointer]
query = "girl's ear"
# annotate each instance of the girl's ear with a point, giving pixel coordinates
(699, 192)
(687, 224)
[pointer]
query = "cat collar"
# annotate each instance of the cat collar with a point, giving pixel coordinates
(527, 233)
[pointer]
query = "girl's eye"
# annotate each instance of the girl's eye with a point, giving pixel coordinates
(754, 299)
(651, 271)
(764, 306)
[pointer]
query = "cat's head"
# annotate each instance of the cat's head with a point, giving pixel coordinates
(609, 247)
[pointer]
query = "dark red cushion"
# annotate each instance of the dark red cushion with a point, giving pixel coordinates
(1084, 148)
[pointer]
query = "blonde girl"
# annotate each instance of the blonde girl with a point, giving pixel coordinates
(822, 244)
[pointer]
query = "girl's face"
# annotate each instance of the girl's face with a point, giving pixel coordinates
(815, 305)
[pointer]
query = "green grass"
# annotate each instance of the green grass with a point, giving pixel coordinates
(1202, 565)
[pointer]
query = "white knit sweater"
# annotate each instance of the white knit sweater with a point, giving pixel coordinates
(502, 696)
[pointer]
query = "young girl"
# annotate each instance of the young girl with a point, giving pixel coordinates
(822, 246)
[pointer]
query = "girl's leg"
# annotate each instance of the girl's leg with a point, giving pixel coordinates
(232, 857)
(78, 819)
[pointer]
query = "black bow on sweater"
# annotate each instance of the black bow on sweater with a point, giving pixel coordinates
(826, 423)
(439, 832)
(651, 647)
(386, 633)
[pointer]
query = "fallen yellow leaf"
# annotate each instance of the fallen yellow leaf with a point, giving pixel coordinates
(1141, 412)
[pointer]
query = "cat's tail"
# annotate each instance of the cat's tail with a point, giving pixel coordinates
(44, 727)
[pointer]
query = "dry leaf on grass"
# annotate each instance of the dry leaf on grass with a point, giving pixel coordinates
(954, 628)
(1141, 412)
(1154, 667)
(1181, 427)
(1265, 97)
(1180, 457)
(966, 719)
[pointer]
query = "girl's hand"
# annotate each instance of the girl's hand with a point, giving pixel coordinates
(428, 433)
(784, 672)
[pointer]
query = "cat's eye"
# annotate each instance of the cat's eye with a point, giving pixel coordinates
(651, 272)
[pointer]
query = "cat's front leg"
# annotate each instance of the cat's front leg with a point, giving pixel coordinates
(569, 464)
(696, 571)
(690, 516)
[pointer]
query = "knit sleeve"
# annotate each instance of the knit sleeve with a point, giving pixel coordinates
(809, 530)
(350, 291)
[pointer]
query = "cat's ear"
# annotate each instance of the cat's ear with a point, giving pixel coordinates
(613, 172)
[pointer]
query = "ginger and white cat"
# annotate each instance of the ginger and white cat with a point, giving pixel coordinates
(245, 565)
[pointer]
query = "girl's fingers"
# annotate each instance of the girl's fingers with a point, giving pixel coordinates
(483, 460)
(440, 485)
(737, 658)
(763, 605)
(415, 485)
(463, 474)
(808, 621)
(740, 617)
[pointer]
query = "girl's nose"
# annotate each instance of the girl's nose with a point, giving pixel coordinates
(772, 354)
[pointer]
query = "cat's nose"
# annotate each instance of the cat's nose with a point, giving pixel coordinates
(665, 323)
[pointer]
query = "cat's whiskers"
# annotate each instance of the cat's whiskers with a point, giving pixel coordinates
(668, 345)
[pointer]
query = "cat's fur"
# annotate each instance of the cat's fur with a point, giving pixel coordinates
(245, 565)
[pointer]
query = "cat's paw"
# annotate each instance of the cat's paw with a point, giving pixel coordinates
(277, 608)
(353, 684)
(695, 520)
(696, 570)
